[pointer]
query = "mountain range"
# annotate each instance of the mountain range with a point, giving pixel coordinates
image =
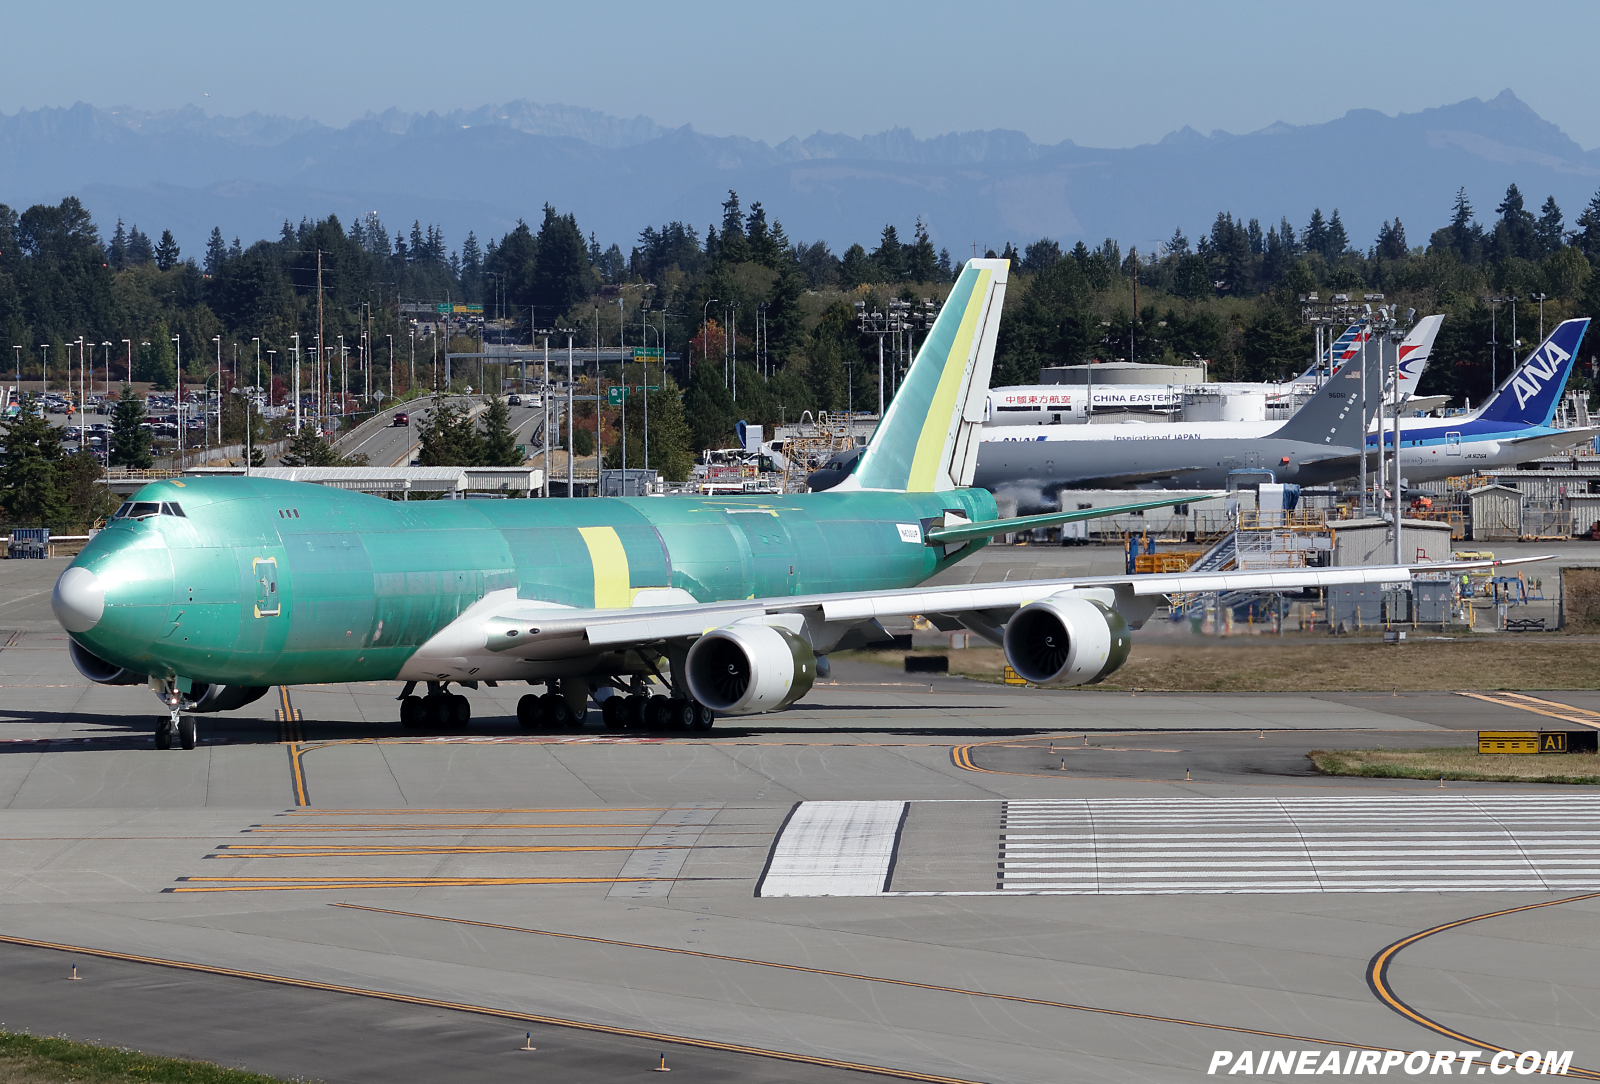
(484, 169)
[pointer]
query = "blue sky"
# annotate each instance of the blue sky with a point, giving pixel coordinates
(1102, 74)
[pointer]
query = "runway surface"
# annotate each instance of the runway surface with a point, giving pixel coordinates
(1024, 886)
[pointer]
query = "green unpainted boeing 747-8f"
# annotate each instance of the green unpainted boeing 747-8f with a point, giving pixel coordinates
(212, 590)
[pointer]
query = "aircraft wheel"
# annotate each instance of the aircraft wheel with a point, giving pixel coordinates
(638, 712)
(186, 733)
(558, 712)
(615, 712)
(703, 719)
(460, 711)
(660, 713)
(531, 711)
(680, 714)
(163, 735)
(437, 711)
(412, 712)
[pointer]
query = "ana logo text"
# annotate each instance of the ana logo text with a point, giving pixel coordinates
(1542, 366)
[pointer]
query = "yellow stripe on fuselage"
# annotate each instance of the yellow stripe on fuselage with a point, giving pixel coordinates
(940, 422)
(611, 586)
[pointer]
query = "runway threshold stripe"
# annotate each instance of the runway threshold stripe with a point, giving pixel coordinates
(1015, 998)
(1378, 978)
(500, 1014)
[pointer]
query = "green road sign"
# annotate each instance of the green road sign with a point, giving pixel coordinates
(615, 395)
(442, 308)
(647, 351)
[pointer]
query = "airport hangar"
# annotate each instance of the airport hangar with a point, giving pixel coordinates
(926, 880)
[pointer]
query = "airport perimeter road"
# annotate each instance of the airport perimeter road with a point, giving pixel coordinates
(389, 445)
(933, 882)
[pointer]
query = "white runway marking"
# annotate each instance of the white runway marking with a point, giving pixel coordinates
(1388, 844)
(1160, 846)
(834, 849)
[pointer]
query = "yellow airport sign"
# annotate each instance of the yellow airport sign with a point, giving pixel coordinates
(1013, 678)
(1508, 741)
(1537, 741)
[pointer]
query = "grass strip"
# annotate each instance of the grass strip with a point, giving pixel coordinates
(31, 1059)
(1460, 763)
(1262, 664)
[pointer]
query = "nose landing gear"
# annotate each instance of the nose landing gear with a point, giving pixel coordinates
(176, 724)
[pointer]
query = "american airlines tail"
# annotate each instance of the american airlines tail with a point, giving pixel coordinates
(928, 438)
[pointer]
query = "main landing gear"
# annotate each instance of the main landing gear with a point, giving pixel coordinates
(641, 711)
(440, 709)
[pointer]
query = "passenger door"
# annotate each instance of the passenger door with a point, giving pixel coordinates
(1452, 443)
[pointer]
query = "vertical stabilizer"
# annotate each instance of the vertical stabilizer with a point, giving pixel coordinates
(1333, 417)
(1415, 350)
(928, 438)
(1529, 396)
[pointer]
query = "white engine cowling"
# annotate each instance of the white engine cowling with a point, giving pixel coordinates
(1067, 638)
(746, 668)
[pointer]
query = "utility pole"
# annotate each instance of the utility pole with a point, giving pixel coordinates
(296, 337)
(319, 337)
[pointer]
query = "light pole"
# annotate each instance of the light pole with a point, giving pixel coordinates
(272, 374)
(108, 344)
(1540, 299)
(705, 334)
(1494, 342)
(178, 340)
(18, 350)
(391, 365)
(129, 344)
(296, 378)
(218, 340)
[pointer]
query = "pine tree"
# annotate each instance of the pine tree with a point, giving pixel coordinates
(118, 254)
(307, 449)
(216, 252)
(449, 438)
(30, 479)
(733, 247)
(1338, 239)
(1588, 236)
(139, 250)
(167, 252)
(1315, 237)
(889, 256)
(499, 444)
(130, 445)
(1548, 230)
(921, 264)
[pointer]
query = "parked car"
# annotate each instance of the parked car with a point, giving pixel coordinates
(402, 418)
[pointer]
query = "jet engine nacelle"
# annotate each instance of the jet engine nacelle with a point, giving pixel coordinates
(207, 698)
(96, 669)
(1066, 638)
(746, 668)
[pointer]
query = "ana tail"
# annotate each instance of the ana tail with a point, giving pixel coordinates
(1530, 395)
(928, 437)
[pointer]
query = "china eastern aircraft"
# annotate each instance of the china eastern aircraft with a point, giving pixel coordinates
(1512, 426)
(212, 590)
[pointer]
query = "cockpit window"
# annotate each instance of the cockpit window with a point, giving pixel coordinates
(144, 509)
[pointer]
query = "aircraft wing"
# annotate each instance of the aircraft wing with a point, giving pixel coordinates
(505, 625)
(1131, 478)
(1556, 441)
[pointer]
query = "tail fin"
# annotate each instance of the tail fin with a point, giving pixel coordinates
(1414, 351)
(1333, 417)
(1529, 396)
(928, 437)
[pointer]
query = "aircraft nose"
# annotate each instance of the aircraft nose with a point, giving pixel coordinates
(79, 600)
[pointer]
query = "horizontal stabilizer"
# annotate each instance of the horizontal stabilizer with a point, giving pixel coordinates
(966, 532)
